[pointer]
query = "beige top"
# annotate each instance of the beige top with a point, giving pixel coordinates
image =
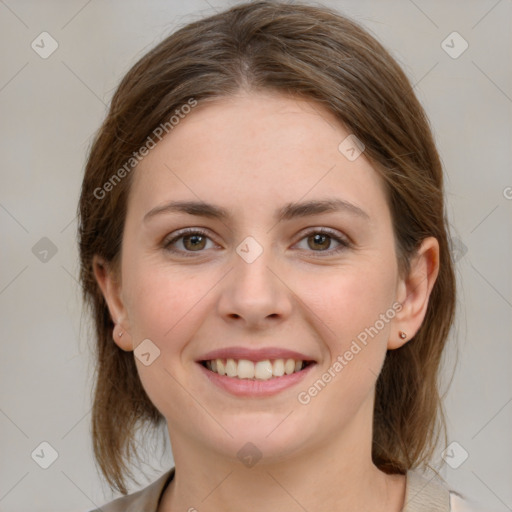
(421, 495)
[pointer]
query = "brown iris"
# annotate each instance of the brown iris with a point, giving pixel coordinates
(197, 242)
(319, 239)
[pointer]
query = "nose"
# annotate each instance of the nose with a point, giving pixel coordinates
(255, 294)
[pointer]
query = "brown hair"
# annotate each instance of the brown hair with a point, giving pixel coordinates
(296, 50)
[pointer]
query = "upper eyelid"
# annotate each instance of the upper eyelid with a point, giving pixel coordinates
(180, 233)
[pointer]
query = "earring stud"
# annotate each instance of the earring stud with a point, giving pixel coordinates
(120, 333)
(402, 335)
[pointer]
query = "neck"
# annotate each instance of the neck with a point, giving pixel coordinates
(336, 473)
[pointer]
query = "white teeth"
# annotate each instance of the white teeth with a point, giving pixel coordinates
(221, 370)
(289, 366)
(261, 370)
(278, 368)
(231, 368)
(245, 369)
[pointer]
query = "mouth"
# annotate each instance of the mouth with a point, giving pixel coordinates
(266, 369)
(255, 373)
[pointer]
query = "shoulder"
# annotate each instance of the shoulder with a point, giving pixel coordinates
(459, 503)
(145, 500)
(428, 492)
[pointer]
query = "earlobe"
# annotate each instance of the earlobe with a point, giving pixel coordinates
(110, 288)
(414, 293)
(122, 338)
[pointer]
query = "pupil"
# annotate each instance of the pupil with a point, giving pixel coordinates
(195, 240)
(319, 238)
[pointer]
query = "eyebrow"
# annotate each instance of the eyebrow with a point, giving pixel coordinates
(287, 212)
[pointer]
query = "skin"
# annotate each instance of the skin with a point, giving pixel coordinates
(252, 153)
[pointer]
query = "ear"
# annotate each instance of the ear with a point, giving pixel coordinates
(110, 286)
(414, 291)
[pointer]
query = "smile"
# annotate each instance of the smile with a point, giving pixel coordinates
(255, 370)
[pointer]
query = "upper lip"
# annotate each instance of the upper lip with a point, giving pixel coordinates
(254, 354)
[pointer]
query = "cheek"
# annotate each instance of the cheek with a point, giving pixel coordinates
(354, 314)
(158, 298)
(349, 302)
(163, 305)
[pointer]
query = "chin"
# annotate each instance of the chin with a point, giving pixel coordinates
(265, 437)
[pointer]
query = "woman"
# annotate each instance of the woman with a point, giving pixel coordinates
(264, 247)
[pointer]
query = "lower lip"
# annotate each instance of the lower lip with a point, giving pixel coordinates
(255, 388)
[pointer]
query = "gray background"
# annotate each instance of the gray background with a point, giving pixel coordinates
(51, 107)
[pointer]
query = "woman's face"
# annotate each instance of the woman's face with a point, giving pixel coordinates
(271, 280)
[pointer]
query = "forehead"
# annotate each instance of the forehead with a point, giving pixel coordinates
(255, 149)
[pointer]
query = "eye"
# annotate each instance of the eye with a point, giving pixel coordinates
(193, 240)
(320, 240)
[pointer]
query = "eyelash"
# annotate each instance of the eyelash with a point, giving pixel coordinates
(344, 243)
